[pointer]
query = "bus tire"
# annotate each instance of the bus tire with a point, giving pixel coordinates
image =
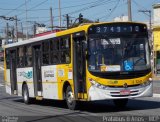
(25, 94)
(120, 103)
(71, 102)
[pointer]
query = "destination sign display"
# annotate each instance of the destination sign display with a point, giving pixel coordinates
(117, 28)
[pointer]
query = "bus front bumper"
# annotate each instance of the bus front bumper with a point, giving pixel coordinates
(96, 93)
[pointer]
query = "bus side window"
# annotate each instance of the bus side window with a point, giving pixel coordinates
(45, 52)
(65, 50)
(21, 56)
(28, 58)
(54, 46)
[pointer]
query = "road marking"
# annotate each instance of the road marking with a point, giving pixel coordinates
(156, 95)
(1, 68)
(1, 85)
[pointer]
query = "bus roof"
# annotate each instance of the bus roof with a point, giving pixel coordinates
(82, 27)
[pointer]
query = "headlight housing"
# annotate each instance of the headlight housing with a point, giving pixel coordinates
(147, 82)
(95, 84)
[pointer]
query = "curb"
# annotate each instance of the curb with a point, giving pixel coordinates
(156, 95)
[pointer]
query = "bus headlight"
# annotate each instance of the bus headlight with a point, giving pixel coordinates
(150, 79)
(94, 83)
(147, 82)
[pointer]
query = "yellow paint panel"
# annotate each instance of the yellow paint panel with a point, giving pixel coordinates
(156, 38)
(115, 82)
(82, 95)
(61, 79)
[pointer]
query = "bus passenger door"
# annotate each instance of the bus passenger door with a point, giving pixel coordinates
(37, 70)
(13, 64)
(79, 64)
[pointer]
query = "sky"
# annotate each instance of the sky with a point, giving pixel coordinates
(39, 11)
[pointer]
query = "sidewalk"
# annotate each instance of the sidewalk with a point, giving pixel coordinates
(156, 86)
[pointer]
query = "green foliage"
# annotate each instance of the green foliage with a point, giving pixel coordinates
(85, 20)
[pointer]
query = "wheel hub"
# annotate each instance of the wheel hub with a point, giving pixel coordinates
(25, 95)
(70, 97)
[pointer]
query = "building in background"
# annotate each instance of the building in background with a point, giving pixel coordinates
(156, 14)
(121, 19)
(41, 30)
(156, 38)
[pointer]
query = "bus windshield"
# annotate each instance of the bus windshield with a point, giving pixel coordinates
(119, 53)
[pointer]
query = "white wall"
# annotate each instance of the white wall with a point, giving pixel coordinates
(156, 14)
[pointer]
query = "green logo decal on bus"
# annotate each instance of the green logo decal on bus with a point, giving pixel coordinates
(27, 75)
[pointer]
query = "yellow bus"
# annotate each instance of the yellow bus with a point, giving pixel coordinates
(91, 62)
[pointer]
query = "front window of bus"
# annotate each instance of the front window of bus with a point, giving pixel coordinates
(118, 53)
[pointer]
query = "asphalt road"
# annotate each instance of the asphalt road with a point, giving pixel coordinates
(13, 108)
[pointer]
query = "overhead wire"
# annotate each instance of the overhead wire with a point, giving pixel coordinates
(89, 7)
(43, 9)
(17, 8)
(140, 6)
(39, 4)
(104, 10)
(112, 10)
(68, 7)
(95, 4)
(23, 4)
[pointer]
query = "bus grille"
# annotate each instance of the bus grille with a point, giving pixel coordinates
(117, 94)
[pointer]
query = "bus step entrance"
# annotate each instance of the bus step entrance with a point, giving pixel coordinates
(82, 96)
(39, 98)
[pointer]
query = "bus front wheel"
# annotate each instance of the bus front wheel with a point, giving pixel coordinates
(25, 94)
(71, 102)
(120, 103)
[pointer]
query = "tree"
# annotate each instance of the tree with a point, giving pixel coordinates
(85, 20)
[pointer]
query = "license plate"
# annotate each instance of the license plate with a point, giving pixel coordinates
(125, 92)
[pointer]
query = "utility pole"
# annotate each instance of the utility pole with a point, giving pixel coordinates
(129, 11)
(7, 26)
(51, 16)
(67, 18)
(7, 31)
(34, 28)
(149, 14)
(22, 28)
(16, 24)
(26, 20)
(60, 13)
(12, 33)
